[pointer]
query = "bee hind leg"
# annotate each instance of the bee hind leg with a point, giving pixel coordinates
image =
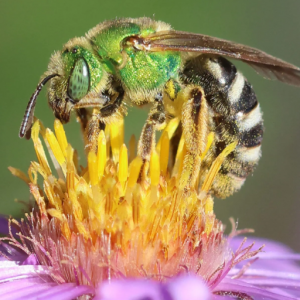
(195, 128)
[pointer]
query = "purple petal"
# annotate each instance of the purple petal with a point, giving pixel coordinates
(218, 297)
(130, 289)
(180, 288)
(33, 290)
(9, 273)
(34, 282)
(275, 256)
(9, 252)
(188, 287)
(265, 282)
(265, 273)
(31, 260)
(271, 246)
(238, 286)
(4, 226)
(65, 291)
(23, 289)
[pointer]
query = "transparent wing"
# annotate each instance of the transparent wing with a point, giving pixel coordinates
(266, 65)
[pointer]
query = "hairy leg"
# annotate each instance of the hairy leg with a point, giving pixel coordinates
(156, 119)
(92, 125)
(195, 131)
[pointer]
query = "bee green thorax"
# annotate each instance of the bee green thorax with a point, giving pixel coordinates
(142, 73)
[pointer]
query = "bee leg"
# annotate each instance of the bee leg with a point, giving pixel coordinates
(92, 131)
(83, 117)
(155, 121)
(112, 108)
(97, 122)
(194, 120)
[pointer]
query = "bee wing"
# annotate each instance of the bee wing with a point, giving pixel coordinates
(266, 65)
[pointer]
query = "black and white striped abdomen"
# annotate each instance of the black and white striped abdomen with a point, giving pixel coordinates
(235, 115)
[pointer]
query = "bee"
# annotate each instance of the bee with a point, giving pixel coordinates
(180, 74)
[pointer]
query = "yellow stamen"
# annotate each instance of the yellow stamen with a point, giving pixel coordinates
(53, 197)
(65, 228)
(164, 152)
(54, 145)
(134, 171)
(82, 230)
(101, 155)
(136, 197)
(93, 168)
(35, 129)
(123, 166)
(76, 209)
(116, 137)
(61, 136)
(170, 129)
(20, 174)
(209, 222)
(132, 147)
(210, 139)
(154, 168)
(42, 129)
(209, 205)
(55, 213)
(179, 158)
(39, 150)
(216, 165)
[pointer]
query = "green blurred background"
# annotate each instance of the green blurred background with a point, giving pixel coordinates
(31, 30)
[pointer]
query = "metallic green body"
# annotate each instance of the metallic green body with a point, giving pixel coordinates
(113, 65)
(141, 70)
(149, 70)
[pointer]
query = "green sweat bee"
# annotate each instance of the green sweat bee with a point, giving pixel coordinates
(180, 74)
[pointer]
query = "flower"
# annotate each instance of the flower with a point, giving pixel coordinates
(124, 228)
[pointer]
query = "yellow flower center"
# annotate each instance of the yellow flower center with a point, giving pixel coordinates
(143, 208)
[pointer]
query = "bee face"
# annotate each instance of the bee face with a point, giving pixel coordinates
(75, 74)
(80, 73)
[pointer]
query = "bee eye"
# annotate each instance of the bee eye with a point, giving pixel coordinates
(79, 81)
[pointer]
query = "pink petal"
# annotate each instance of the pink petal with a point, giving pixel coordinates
(234, 285)
(188, 287)
(130, 289)
(275, 256)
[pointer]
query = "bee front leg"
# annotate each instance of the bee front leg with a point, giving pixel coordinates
(83, 116)
(113, 108)
(100, 116)
(194, 120)
(89, 122)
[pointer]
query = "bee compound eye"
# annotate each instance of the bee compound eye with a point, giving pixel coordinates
(79, 81)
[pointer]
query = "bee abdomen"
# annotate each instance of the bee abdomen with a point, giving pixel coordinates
(236, 115)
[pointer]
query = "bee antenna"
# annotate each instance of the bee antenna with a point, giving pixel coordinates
(28, 116)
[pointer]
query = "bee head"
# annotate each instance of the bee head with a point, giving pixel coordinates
(74, 74)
